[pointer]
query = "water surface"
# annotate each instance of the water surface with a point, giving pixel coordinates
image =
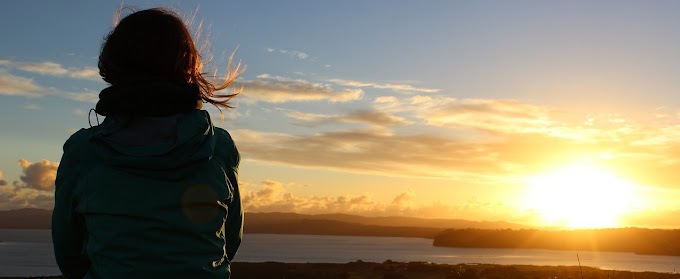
(29, 253)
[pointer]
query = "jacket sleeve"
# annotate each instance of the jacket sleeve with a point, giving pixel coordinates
(234, 223)
(68, 227)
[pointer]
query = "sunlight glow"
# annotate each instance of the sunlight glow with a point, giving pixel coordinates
(579, 196)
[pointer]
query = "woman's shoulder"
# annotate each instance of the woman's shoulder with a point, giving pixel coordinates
(78, 143)
(226, 146)
(223, 135)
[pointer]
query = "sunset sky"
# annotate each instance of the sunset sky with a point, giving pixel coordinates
(547, 113)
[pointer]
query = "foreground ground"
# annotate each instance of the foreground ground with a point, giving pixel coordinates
(420, 270)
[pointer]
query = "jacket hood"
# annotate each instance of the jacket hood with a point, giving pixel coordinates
(165, 158)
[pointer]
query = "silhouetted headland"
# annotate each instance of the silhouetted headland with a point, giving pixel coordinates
(417, 270)
(445, 232)
(634, 240)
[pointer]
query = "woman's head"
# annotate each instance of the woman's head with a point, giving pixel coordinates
(149, 44)
(155, 44)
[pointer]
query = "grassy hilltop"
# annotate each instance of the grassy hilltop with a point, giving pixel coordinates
(421, 270)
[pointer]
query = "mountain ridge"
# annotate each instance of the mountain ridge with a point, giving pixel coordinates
(289, 223)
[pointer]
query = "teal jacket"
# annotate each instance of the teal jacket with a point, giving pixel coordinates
(133, 201)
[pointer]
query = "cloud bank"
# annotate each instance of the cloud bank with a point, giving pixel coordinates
(35, 188)
(53, 69)
(391, 86)
(275, 89)
(273, 196)
(363, 116)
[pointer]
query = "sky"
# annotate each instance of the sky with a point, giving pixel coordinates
(546, 113)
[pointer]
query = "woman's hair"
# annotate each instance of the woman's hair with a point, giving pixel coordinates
(155, 44)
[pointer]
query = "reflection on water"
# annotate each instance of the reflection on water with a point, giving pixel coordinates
(342, 249)
(29, 253)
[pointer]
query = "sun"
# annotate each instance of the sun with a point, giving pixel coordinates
(579, 196)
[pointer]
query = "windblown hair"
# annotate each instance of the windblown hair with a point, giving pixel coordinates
(155, 44)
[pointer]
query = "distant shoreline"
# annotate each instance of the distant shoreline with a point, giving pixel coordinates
(415, 270)
(455, 233)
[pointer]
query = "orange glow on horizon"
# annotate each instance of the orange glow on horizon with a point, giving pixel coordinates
(579, 196)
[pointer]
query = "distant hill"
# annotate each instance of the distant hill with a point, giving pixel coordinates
(345, 224)
(331, 227)
(284, 217)
(634, 240)
(26, 218)
(293, 223)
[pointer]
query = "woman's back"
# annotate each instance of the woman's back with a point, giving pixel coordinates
(156, 209)
(152, 192)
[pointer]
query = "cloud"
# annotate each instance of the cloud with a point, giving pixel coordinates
(374, 151)
(43, 68)
(53, 69)
(490, 115)
(89, 73)
(85, 96)
(35, 188)
(365, 116)
(477, 141)
(12, 197)
(40, 175)
(273, 196)
(32, 107)
(391, 86)
(78, 112)
(292, 53)
(274, 89)
(12, 85)
(413, 104)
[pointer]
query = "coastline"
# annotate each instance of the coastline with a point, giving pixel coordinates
(414, 270)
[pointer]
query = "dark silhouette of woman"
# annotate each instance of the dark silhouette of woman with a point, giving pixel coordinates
(152, 191)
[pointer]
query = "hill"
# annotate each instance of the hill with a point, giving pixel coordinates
(26, 218)
(353, 225)
(385, 221)
(293, 223)
(393, 221)
(634, 240)
(416, 270)
(331, 227)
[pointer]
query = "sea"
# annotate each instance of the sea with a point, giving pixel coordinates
(29, 253)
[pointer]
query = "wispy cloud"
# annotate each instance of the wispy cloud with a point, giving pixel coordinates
(32, 107)
(374, 151)
(492, 115)
(53, 69)
(292, 53)
(391, 86)
(483, 141)
(364, 116)
(84, 96)
(489, 115)
(12, 85)
(19, 86)
(15, 85)
(275, 89)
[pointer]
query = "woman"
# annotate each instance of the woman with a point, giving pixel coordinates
(152, 192)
